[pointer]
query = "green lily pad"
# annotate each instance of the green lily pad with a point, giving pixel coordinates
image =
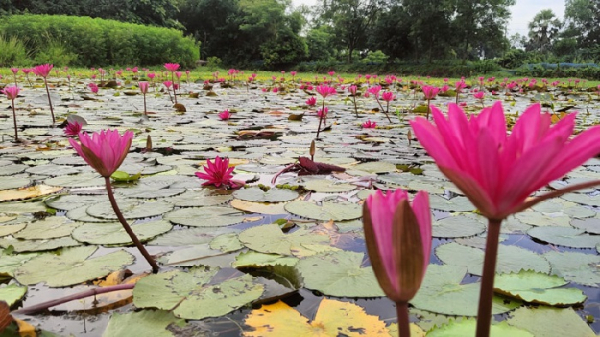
(226, 243)
(53, 170)
(12, 293)
(457, 226)
(544, 321)
(71, 267)
(543, 220)
(10, 229)
(467, 327)
(211, 216)
(510, 258)
(272, 195)
(200, 198)
(198, 255)
(562, 236)
(256, 259)
(20, 246)
(142, 323)
(131, 209)
(190, 236)
(70, 202)
(575, 267)
(9, 183)
(8, 263)
(377, 167)
(532, 287)
(113, 233)
(189, 294)
(270, 239)
(590, 225)
(456, 204)
(327, 186)
(81, 180)
(443, 293)
(48, 228)
(339, 274)
(336, 211)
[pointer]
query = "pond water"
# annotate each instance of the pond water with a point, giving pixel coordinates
(187, 225)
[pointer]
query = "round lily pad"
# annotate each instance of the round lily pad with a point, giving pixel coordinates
(211, 216)
(71, 267)
(532, 287)
(113, 233)
(190, 236)
(8, 183)
(328, 210)
(131, 209)
(456, 204)
(270, 239)
(48, 228)
(457, 226)
(339, 274)
(20, 246)
(12, 293)
(76, 180)
(575, 267)
(565, 236)
(272, 195)
(328, 186)
(200, 198)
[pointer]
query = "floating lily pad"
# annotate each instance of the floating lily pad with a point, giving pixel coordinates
(113, 233)
(10, 170)
(575, 267)
(467, 327)
(53, 170)
(190, 236)
(563, 236)
(69, 202)
(270, 239)
(12, 293)
(442, 292)
(272, 195)
(10, 229)
(71, 267)
(189, 294)
(259, 207)
(198, 255)
(336, 211)
(142, 323)
(211, 216)
(532, 287)
(457, 226)
(543, 220)
(328, 186)
(28, 192)
(544, 321)
(456, 204)
(339, 274)
(48, 228)
(256, 259)
(20, 246)
(375, 167)
(590, 225)
(200, 198)
(131, 209)
(77, 180)
(510, 258)
(9, 183)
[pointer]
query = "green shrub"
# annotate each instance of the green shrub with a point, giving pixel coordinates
(98, 42)
(56, 53)
(13, 52)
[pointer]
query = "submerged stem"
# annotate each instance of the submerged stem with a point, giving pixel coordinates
(484, 313)
(14, 119)
(49, 101)
(127, 228)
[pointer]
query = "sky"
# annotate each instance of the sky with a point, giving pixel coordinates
(522, 13)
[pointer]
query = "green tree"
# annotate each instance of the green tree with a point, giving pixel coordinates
(391, 33)
(582, 22)
(430, 22)
(319, 41)
(543, 31)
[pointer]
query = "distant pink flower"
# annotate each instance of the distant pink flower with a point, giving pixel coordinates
(275, 89)
(172, 66)
(322, 113)
(72, 129)
(369, 125)
(224, 115)
(151, 75)
(14, 70)
(104, 151)
(352, 89)
(43, 70)
(11, 92)
(325, 90)
(168, 84)
(143, 87)
(331, 73)
(430, 91)
(26, 70)
(293, 73)
(374, 90)
(178, 74)
(459, 85)
(388, 96)
(479, 95)
(93, 87)
(218, 173)
(311, 101)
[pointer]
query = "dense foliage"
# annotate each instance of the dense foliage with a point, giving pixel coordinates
(66, 40)
(273, 34)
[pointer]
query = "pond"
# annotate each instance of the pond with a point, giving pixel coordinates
(289, 255)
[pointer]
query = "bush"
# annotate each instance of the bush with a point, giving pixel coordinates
(99, 42)
(56, 53)
(13, 52)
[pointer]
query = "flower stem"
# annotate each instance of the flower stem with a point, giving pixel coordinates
(145, 111)
(484, 313)
(127, 228)
(321, 118)
(428, 108)
(174, 91)
(91, 292)
(49, 101)
(14, 119)
(403, 322)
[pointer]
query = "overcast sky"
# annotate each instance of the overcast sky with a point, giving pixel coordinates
(522, 13)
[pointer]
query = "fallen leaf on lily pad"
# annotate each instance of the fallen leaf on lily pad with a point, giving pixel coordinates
(333, 318)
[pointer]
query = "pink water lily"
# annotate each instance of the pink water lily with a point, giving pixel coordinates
(398, 236)
(72, 129)
(325, 90)
(311, 101)
(224, 115)
(430, 91)
(218, 173)
(143, 87)
(104, 150)
(497, 171)
(172, 66)
(12, 93)
(43, 70)
(369, 125)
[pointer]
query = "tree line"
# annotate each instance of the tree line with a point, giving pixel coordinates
(275, 34)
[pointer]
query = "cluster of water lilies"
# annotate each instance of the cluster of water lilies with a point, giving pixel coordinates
(496, 169)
